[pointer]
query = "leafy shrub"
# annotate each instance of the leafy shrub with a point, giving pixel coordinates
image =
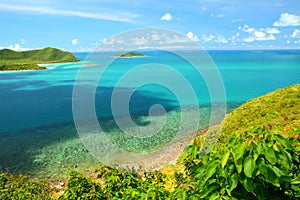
(263, 165)
(20, 187)
(116, 184)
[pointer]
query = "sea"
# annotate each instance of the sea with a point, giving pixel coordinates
(38, 135)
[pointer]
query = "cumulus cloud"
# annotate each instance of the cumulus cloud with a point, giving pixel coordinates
(192, 36)
(175, 39)
(75, 41)
(246, 28)
(139, 41)
(15, 47)
(207, 38)
(221, 39)
(250, 39)
(296, 33)
(166, 17)
(259, 34)
(112, 41)
(287, 19)
(272, 30)
(234, 37)
(214, 38)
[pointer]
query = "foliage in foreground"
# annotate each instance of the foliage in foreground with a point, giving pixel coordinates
(263, 165)
(20, 187)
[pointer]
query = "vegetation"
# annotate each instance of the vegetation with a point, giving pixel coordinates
(20, 187)
(13, 60)
(257, 157)
(129, 54)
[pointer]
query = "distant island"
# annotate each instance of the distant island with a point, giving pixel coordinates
(129, 55)
(29, 60)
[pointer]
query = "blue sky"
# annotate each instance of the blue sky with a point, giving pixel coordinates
(77, 25)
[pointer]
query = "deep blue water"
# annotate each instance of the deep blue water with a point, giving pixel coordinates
(31, 99)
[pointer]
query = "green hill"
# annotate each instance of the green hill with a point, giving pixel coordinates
(13, 60)
(129, 54)
(257, 157)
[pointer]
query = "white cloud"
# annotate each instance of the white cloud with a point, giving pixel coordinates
(236, 20)
(112, 41)
(250, 39)
(296, 34)
(75, 41)
(218, 15)
(221, 39)
(192, 36)
(166, 17)
(16, 47)
(155, 36)
(246, 28)
(287, 19)
(234, 37)
(260, 34)
(174, 39)
(139, 41)
(271, 30)
(207, 38)
(51, 11)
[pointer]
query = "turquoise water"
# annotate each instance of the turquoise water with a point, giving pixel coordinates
(36, 106)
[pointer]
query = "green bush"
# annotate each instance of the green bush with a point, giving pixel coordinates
(263, 165)
(20, 187)
(116, 184)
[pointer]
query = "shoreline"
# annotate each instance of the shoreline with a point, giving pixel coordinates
(41, 65)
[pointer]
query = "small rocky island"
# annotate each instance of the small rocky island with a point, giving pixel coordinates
(29, 60)
(129, 55)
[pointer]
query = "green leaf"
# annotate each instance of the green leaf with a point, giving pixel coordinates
(200, 171)
(232, 140)
(239, 165)
(249, 166)
(284, 141)
(214, 196)
(269, 154)
(296, 181)
(195, 152)
(270, 175)
(210, 170)
(207, 190)
(277, 171)
(257, 152)
(233, 181)
(183, 195)
(283, 160)
(225, 159)
(238, 151)
(247, 183)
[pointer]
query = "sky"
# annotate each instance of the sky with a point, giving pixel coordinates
(81, 25)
